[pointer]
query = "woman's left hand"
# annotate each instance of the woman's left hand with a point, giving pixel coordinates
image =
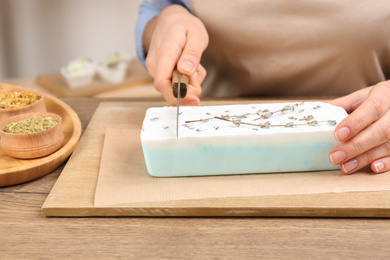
(365, 134)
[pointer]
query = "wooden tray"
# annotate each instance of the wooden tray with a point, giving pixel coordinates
(56, 84)
(15, 171)
(73, 194)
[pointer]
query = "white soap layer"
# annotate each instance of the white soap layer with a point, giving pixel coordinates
(298, 138)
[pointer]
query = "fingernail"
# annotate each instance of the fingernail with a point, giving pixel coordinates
(379, 166)
(187, 66)
(350, 165)
(342, 133)
(192, 103)
(337, 157)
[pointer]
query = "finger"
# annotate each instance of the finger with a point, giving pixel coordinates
(165, 88)
(373, 108)
(369, 157)
(197, 41)
(194, 89)
(381, 165)
(351, 101)
(197, 79)
(190, 100)
(373, 136)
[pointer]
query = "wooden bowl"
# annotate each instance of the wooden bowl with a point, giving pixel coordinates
(34, 145)
(38, 106)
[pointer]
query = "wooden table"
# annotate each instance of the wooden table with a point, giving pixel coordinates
(26, 233)
(138, 91)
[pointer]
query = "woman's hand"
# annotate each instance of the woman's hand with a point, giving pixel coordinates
(365, 133)
(176, 37)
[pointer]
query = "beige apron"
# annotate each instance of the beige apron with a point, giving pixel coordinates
(291, 48)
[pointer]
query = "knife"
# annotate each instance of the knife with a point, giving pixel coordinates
(179, 88)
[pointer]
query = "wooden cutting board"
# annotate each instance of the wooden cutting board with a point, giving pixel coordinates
(73, 194)
(55, 83)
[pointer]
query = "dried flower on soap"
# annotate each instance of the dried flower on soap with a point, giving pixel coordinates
(236, 122)
(31, 125)
(17, 99)
(289, 125)
(239, 120)
(313, 123)
(307, 118)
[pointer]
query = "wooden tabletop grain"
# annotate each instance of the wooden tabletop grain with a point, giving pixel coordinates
(25, 233)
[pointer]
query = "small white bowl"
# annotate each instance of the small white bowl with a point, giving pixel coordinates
(113, 75)
(84, 62)
(79, 72)
(77, 79)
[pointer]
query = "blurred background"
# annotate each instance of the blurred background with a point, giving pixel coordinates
(40, 36)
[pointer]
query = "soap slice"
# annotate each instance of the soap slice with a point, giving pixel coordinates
(240, 139)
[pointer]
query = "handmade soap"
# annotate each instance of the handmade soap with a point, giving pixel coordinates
(240, 139)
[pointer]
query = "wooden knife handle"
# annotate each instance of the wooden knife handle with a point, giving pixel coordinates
(183, 84)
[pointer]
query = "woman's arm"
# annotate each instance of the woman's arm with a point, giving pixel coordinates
(148, 10)
(173, 38)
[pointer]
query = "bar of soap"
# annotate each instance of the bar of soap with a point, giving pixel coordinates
(240, 139)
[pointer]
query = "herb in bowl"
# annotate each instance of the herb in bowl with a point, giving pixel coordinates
(31, 125)
(17, 99)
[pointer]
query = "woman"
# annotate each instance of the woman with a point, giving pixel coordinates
(281, 48)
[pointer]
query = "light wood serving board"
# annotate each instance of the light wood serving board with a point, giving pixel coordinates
(15, 171)
(55, 83)
(73, 193)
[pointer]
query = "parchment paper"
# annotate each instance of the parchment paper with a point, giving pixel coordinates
(123, 179)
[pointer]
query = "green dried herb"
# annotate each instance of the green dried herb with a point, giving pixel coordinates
(112, 65)
(31, 125)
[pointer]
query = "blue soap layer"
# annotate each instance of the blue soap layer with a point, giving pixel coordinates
(203, 160)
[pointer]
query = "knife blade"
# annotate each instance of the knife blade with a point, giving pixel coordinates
(179, 89)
